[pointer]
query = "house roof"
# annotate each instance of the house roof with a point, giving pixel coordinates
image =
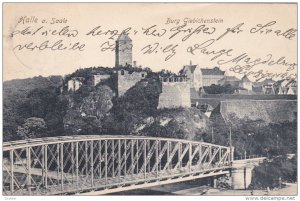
(229, 78)
(124, 37)
(268, 81)
(186, 68)
(245, 79)
(212, 71)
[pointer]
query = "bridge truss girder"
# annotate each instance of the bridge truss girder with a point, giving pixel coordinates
(98, 163)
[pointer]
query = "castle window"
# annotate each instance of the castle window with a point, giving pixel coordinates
(143, 75)
(122, 72)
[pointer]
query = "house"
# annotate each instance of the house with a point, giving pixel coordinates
(286, 87)
(211, 75)
(267, 86)
(232, 80)
(193, 74)
(245, 83)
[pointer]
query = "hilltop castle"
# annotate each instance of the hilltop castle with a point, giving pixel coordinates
(177, 90)
(123, 75)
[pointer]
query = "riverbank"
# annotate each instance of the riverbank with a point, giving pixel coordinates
(191, 189)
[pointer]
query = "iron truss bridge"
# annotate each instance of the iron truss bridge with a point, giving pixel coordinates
(96, 165)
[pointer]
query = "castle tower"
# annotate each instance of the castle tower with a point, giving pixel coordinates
(123, 50)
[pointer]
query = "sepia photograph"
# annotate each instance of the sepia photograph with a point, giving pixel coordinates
(149, 99)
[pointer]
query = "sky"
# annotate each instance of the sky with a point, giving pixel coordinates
(75, 21)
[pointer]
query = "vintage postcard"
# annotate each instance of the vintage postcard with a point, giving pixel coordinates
(150, 99)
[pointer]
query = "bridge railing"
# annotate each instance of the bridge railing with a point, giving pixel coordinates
(241, 157)
(83, 163)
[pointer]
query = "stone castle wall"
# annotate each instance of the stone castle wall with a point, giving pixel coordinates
(127, 80)
(175, 94)
(270, 111)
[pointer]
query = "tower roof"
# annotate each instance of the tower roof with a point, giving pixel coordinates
(123, 37)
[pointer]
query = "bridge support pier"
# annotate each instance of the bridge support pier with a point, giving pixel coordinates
(241, 177)
(212, 181)
(241, 172)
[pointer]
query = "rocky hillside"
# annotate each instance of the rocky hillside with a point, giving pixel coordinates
(183, 123)
(136, 113)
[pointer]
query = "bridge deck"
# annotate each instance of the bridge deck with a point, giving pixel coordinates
(100, 185)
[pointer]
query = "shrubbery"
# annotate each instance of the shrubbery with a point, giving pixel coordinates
(255, 137)
(218, 89)
(272, 173)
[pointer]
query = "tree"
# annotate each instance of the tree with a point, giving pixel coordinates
(214, 89)
(256, 137)
(218, 89)
(269, 172)
(18, 102)
(33, 127)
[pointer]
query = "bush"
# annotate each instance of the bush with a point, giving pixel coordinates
(270, 173)
(32, 128)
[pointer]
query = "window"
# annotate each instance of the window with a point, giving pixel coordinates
(143, 75)
(122, 72)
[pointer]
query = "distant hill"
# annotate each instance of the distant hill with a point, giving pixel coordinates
(23, 86)
(15, 94)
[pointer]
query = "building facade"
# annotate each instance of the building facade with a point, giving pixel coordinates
(246, 83)
(193, 75)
